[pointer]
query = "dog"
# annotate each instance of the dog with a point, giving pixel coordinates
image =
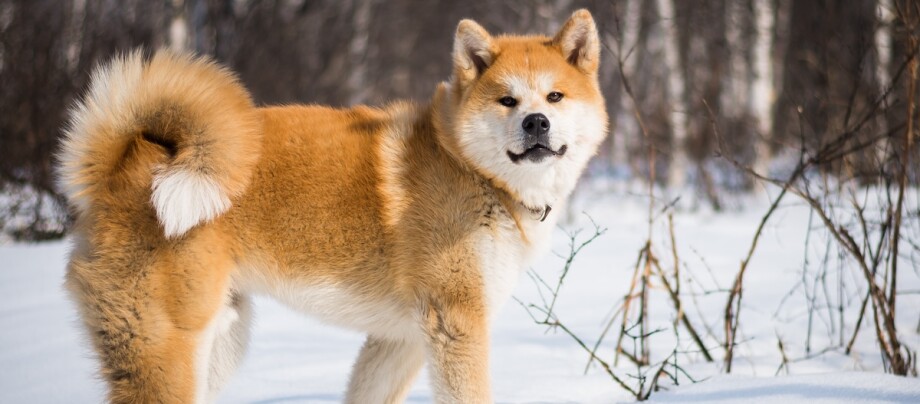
(409, 222)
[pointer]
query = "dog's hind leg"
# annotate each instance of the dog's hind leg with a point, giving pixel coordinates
(231, 337)
(152, 318)
(145, 355)
(384, 371)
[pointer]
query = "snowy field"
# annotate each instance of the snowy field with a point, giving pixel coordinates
(44, 358)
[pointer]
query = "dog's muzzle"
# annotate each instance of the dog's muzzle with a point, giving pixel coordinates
(536, 141)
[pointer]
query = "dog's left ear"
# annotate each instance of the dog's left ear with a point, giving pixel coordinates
(474, 51)
(579, 43)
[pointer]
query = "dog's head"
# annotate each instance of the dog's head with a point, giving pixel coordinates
(527, 111)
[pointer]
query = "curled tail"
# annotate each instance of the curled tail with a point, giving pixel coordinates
(206, 132)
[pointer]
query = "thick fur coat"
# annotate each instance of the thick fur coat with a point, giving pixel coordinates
(409, 222)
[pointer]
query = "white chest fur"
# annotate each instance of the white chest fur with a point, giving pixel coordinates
(504, 254)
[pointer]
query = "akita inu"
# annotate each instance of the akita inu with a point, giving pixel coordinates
(409, 222)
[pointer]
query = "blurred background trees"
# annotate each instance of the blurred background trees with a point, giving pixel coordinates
(758, 80)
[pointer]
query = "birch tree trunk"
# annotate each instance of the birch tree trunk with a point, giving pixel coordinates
(763, 94)
(178, 29)
(677, 171)
(627, 49)
(884, 18)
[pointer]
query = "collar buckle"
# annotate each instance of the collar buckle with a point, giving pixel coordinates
(541, 214)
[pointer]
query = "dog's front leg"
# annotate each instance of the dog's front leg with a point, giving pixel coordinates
(458, 342)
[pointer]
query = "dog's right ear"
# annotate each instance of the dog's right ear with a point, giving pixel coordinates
(474, 51)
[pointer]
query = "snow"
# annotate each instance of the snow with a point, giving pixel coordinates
(831, 388)
(45, 358)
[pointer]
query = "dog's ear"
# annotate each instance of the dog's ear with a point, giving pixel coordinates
(579, 43)
(474, 51)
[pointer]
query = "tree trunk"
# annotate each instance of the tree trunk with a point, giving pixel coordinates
(763, 93)
(884, 17)
(677, 171)
(627, 49)
(178, 28)
(357, 52)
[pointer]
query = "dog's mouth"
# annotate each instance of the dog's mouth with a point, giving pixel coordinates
(536, 153)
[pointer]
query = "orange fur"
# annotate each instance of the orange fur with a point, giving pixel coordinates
(189, 199)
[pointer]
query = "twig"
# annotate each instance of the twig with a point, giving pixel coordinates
(733, 305)
(681, 317)
(573, 251)
(556, 324)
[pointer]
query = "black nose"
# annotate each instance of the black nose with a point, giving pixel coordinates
(536, 125)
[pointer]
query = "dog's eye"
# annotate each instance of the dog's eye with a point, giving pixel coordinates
(554, 96)
(509, 102)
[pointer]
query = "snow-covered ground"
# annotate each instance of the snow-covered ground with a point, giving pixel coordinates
(44, 358)
(826, 388)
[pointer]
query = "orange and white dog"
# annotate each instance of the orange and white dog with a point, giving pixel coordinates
(409, 222)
